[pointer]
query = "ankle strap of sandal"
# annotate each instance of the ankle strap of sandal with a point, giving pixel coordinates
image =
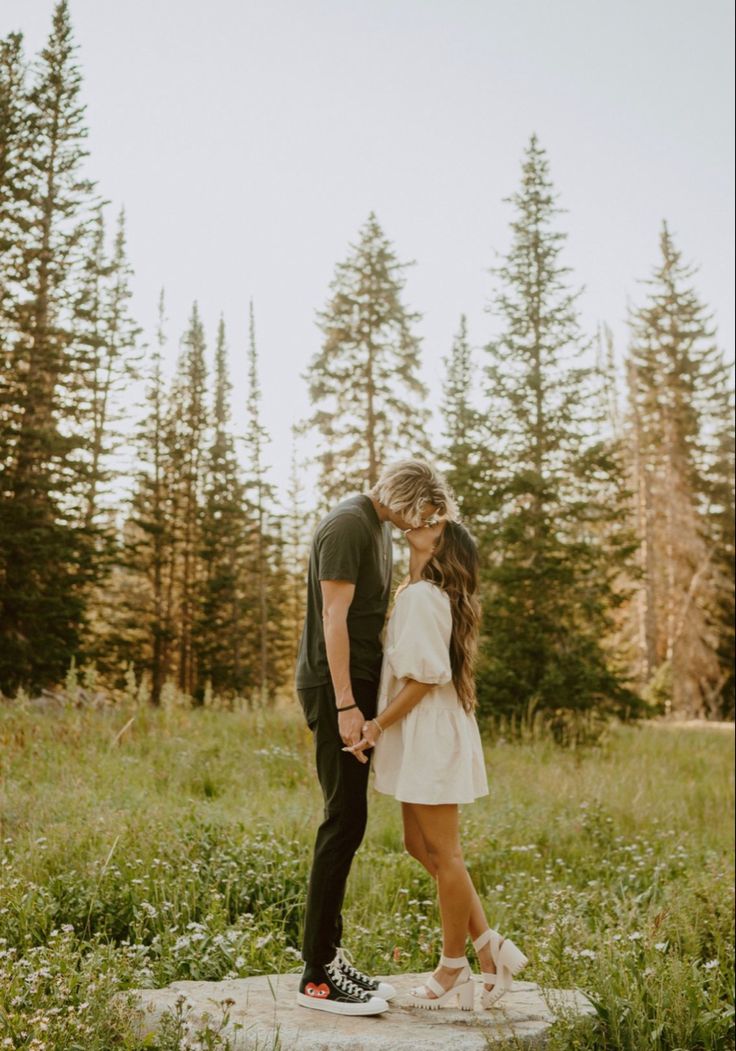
(482, 939)
(453, 961)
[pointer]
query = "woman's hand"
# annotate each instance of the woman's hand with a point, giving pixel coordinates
(371, 733)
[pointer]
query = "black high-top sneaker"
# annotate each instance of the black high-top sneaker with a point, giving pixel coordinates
(331, 990)
(371, 985)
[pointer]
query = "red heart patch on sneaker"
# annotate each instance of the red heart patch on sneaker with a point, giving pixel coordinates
(320, 990)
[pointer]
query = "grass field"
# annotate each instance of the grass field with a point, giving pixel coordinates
(180, 848)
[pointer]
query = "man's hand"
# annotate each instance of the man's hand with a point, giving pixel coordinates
(350, 724)
(370, 733)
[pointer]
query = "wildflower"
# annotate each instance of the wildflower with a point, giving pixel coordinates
(589, 953)
(710, 965)
(635, 936)
(661, 946)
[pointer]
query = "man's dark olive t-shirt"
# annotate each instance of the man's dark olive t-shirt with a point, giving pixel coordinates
(350, 543)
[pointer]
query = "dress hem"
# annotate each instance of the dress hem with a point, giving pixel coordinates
(432, 802)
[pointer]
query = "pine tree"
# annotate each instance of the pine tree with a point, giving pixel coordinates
(47, 558)
(221, 636)
(720, 701)
(467, 461)
(108, 362)
(261, 495)
(296, 533)
(149, 530)
(366, 373)
(676, 375)
(188, 432)
(553, 526)
(15, 191)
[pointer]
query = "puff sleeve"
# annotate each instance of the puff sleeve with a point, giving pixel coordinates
(420, 637)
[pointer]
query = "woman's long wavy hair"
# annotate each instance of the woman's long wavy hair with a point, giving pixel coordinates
(454, 567)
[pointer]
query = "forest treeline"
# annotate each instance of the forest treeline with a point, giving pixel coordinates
(604, 516)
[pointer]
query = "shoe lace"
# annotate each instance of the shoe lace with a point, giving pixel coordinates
(349, 968)
(343, 983)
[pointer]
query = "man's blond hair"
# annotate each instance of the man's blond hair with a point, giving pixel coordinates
(407, 486)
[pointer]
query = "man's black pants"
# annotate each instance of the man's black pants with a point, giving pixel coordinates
(344, 781)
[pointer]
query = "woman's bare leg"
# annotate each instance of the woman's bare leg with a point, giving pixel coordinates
(415, 845)
(440, 829)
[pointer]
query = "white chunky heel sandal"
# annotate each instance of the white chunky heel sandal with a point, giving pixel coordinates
(462, 989)
(508, 960)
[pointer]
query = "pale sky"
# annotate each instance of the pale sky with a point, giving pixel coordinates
(249, 139)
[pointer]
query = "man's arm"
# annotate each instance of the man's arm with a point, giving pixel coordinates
(337, 595)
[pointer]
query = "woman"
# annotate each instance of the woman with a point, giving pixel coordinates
(428, 751)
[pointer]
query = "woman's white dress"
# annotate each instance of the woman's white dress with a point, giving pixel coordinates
(434, 753)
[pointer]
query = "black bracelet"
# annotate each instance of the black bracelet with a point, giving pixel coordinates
(347, 707)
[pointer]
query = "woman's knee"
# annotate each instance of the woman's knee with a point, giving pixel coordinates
(445, 858)
(414, 845)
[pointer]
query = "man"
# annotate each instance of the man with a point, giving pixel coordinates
(337, 676)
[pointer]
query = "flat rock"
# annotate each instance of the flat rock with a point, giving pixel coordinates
(262, 1013)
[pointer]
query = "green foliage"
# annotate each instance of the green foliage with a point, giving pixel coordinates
(45, 558)
(366, 372)
(553, 525)
(226, 517)
(469, 461)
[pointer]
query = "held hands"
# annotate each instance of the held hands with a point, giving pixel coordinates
(371, 733)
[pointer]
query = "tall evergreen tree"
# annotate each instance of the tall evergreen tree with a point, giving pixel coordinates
(15, 147)
(296, 532)
(47, 559)
(720, 700)
(553, 529)
(468, 462)
(676, 376)
(366, 373)
(222, 646)
(262, 498)
(108, 361)
(189, 431)
(150, 529)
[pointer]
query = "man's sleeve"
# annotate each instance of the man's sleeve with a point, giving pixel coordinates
(341, 546)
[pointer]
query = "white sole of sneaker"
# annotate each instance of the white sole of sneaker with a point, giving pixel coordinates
(375, 1006)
